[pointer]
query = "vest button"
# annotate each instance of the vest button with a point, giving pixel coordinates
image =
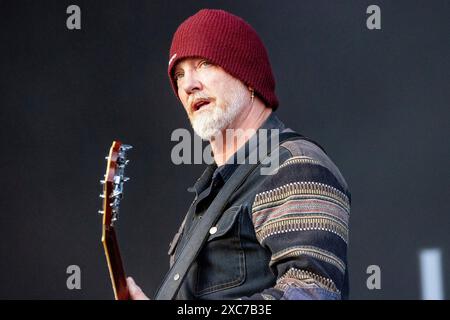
(213, 230)
(176, 277)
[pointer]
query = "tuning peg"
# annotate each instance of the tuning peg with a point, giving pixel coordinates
(126, 147)
(107, 157)
(122, 162)
(101, 211)
(102, 181)
(116, 194)
(116, 179)
(125, 179)
(102, 196)
(115, 204)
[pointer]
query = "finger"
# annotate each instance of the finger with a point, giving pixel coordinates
(136, 292)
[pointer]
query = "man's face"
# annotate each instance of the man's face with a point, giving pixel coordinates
(212, 98)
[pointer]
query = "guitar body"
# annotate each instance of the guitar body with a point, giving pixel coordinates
(112, 195)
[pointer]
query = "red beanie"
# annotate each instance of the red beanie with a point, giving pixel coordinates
(230, 42)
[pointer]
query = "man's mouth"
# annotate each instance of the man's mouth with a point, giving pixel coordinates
(200, 103)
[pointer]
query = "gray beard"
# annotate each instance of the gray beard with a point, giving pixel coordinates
(210, 123)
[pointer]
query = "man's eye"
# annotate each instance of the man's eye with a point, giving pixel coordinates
(205, 63)
(177, 76)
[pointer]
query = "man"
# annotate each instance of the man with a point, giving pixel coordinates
(280, 236)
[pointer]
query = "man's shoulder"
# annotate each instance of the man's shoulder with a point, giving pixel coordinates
(303, 153)
(301, 161)
(304, 171)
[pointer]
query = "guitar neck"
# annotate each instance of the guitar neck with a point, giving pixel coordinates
(115, 266)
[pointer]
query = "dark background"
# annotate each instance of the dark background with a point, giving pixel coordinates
(377, 100)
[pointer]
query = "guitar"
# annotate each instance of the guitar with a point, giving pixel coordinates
(112, 195)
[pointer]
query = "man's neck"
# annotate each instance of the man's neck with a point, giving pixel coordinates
(232, 140)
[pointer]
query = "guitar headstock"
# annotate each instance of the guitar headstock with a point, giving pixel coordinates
(113, 181)
(112, 195)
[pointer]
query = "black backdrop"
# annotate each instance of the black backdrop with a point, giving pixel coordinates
(378, 100)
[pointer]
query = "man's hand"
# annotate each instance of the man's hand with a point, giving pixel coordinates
(136, 293)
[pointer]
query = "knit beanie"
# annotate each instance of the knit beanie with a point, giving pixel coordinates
(229, 42)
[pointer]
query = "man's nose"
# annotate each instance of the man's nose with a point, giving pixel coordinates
(190, 82)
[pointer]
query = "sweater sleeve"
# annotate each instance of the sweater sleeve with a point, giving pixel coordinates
(301, 215)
